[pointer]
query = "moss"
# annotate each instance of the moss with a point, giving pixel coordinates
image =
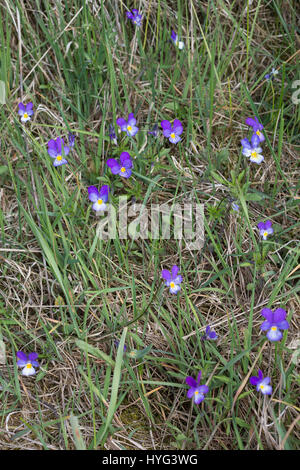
(132, 416)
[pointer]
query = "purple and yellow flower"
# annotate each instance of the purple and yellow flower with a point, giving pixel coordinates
(275, 321)
(256, 126)
(28, 362)
(209, 334)
(122, 168)
(57, 150)
(112, 134)
(135, 17)
(175, 39)
(128, 126)
(265, 229)
(25, 111)
(262, 384)
(172, 132)
(173, 280)
(99, 198)
(252, 149)
(197, 391)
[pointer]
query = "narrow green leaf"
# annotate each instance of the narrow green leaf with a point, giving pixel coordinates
(94, 351)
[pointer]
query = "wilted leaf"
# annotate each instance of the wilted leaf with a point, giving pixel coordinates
(2, 352)
(79, 442)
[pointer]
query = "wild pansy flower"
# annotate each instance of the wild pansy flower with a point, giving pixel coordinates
(172, 132)
(112, 134)
(116, 343)
(128, 126)
(197, 391)
(172, 279)
(135, 17)
(27, 362)
(71, 138)
(256, 126)
(57, 150)
(275, 321)
(265, 229)
(154, 131)
(262, 384)
(235, 206)
(175, 39)
(25, 111)
(271, 75)
(209, 334)
(123, 168)
(99, 198)
(252, 149)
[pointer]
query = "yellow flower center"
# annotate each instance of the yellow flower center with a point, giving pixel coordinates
(254, 154)
(59, 158)
(25, 115)
(129, 128)
(100, 201)
(173, 135)
(257, 133)
(265, 234)
(274, 328)
(196, 392)
(172, 284)
(261, 386)
(123, 169)
(28, 366)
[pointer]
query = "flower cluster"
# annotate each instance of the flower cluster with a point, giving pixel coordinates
(252, 149)
(257, 127)
(275, 322)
